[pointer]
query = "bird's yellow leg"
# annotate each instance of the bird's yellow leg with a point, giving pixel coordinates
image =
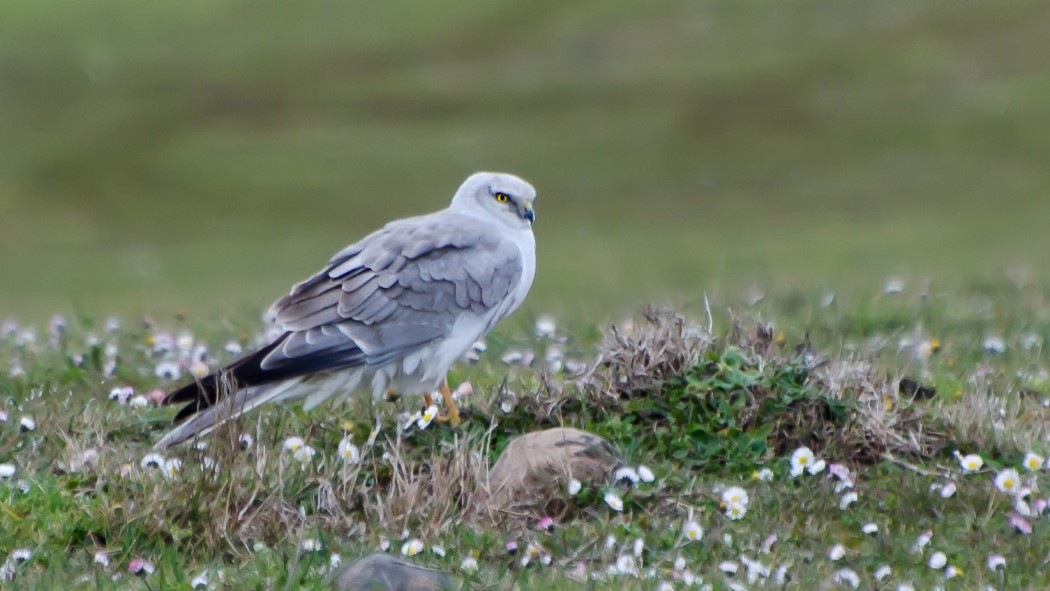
(427, 400)
(452, 414)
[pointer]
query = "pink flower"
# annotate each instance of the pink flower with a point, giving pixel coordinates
(1020, 524)
(156, 395)
(512, 546)
(839, 471)
(141, 567)
(545, 523)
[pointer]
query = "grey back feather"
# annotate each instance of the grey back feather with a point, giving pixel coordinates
(397, 290)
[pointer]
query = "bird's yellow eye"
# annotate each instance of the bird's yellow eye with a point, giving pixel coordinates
(502, 197)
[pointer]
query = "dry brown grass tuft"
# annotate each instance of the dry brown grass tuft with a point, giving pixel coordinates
(639, 357)
(431, 494)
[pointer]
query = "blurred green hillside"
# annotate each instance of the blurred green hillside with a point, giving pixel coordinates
(206, 154)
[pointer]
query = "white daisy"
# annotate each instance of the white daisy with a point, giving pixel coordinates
(736, 511)
(167, 370)
(614, 501)
(7, 471)
(937, 560)
(138, 402)
(469, 565)
(836, 552)
(304, 454)
(121, 395)
(646, 474)
(101, 558)
(801, 459)
(171, 468)
(574, 487)
(816, 467)
(626, 473)
(764, 475)
(546, 326)
(922, 541)
(969, 462)
(245, 440)
(996, 562)
(348, 452)
(994, 344)
(27, 424)
(882, 572)
(870, 529)
(893, 286)
(847, 500)
(412, 547)
(1033, 461)
(728, 567)
(846, 577)
(427, 417)
(625, 565)
(693, 531)
(639, 547)
(310, 545)
(151, 461)
(1008, 481)
(199, 369)
(200, 581)
(294, 444)
(735, 494)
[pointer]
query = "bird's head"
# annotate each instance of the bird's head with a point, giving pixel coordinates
(502, 196)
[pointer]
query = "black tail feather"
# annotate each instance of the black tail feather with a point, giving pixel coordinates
(205, 392)
(248, 371)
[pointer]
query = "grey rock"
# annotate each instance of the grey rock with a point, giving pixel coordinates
(382, 572)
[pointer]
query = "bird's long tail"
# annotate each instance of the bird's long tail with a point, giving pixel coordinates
(229, 407)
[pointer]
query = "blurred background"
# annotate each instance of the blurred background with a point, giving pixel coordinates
(203, 155)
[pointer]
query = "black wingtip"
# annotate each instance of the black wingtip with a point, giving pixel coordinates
(205, 392)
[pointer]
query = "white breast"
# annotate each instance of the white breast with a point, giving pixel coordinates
(526, 243)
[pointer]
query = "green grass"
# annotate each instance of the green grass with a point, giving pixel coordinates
(734, 404)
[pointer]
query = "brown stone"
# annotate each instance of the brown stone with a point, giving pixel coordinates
(532, 474)
(382, 572)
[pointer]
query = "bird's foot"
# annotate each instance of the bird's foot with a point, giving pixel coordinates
(451, 415)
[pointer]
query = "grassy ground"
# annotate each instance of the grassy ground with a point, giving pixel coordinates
(703, 415)
(186, 163)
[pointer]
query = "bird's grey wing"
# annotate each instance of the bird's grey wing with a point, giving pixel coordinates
(394, 292)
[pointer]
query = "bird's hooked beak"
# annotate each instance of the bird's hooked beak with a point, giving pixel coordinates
(528, 213)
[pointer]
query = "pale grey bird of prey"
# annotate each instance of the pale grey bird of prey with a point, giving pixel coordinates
(390, 313)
